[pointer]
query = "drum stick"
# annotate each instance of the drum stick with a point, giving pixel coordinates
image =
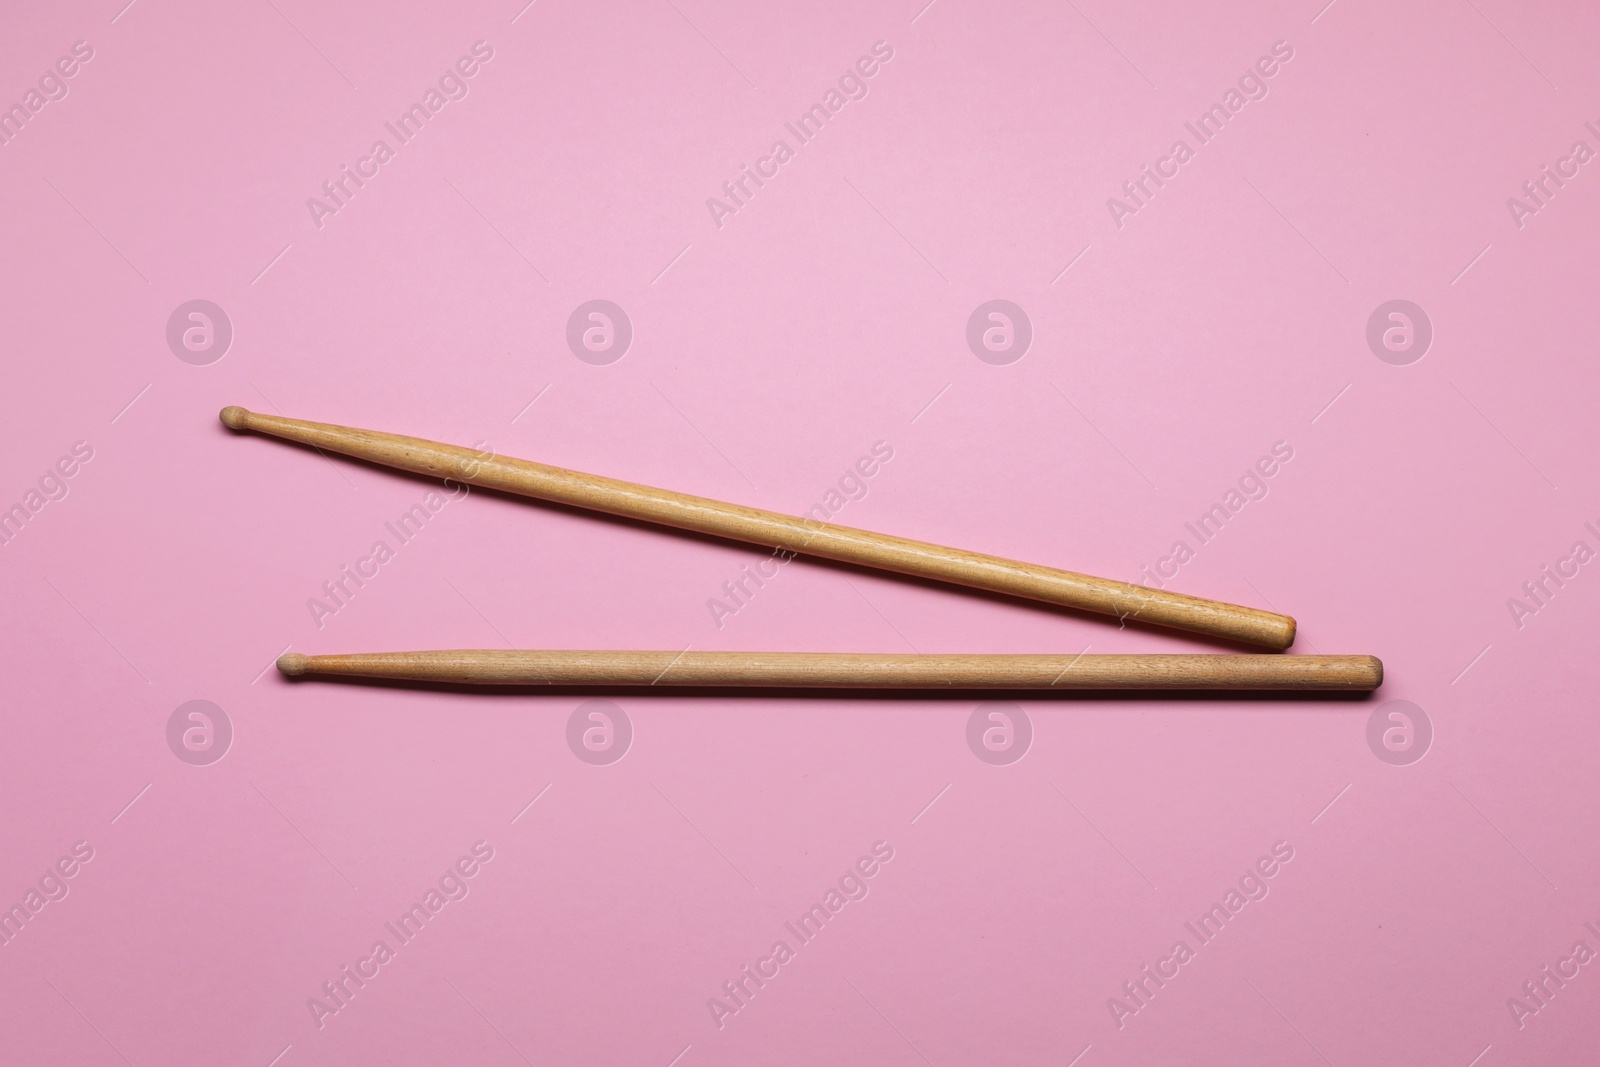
(850, 670)
(804, 536)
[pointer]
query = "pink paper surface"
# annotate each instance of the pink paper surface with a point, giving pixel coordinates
(247, 855)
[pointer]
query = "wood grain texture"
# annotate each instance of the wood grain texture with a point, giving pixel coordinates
(850, 670)
(771, 529)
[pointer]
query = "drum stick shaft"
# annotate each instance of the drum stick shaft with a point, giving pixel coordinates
(850, 670)
(804, 536)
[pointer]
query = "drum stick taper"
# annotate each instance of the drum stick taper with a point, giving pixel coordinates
(771, 529)
(850, 670)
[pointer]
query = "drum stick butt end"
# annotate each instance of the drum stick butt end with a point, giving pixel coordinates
(292, 663)
(235, 417)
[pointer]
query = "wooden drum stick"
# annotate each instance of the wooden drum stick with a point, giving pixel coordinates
(851, 670)
(785, 532)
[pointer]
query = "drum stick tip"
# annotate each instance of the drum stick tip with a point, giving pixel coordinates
(292, 663)
(235, 417)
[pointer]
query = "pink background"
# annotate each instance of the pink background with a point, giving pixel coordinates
(768, 354)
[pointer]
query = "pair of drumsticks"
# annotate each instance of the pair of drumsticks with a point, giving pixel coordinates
(804, 536)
